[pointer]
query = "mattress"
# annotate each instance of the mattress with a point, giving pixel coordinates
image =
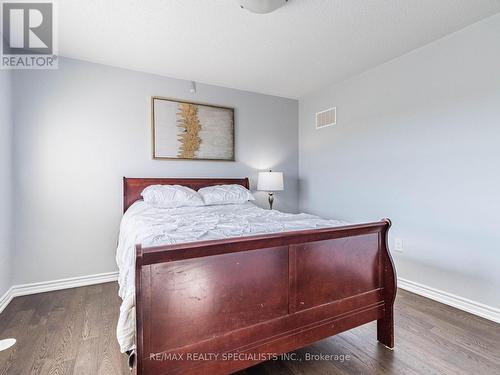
(151, 226)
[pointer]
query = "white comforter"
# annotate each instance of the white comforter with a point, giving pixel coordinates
(151, 226)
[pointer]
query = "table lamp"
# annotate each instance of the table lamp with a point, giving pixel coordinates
(270, 182)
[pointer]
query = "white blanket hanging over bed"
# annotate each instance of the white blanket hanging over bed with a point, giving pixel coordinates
(150, 226)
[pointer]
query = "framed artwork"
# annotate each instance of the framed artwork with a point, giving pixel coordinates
(191, 131)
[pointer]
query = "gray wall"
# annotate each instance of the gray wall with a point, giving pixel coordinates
(418, 140)
(79, 129)
(5, 181)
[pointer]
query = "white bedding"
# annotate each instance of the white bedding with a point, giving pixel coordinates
(152, 226)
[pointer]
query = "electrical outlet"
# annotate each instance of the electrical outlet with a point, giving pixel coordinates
(398, 245)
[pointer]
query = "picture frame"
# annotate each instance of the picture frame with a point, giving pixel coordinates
(185, 130)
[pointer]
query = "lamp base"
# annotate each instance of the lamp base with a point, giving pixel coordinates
(271, 200)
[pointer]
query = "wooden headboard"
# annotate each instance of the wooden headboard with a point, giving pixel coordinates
(133, 187)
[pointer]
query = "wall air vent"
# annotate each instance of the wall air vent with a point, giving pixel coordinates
(326, 118)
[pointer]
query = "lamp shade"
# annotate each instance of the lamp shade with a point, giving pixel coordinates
(270, 181)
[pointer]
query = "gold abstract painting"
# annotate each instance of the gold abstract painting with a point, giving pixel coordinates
(184, 130)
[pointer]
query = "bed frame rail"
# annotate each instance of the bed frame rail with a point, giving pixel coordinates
(220, 306)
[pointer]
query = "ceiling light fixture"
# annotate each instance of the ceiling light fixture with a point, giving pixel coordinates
(261, 6)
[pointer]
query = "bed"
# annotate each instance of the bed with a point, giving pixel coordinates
(239, 293)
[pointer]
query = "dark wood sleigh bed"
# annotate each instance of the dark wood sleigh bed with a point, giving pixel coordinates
(216, 307)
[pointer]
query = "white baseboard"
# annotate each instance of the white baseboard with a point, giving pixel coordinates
(476, 308)
(5, 299)
(49, 286)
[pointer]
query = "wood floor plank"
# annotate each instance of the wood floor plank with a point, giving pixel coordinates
(73, 332)
(85, 361)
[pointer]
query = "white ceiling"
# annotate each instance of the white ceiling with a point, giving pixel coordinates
(299, 48)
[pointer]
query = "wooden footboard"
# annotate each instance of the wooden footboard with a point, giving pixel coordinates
(216, 307)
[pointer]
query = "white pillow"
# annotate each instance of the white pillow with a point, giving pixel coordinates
(171, 196)
(225, 194)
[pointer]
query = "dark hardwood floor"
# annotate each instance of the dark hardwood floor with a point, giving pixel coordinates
(73, 332)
